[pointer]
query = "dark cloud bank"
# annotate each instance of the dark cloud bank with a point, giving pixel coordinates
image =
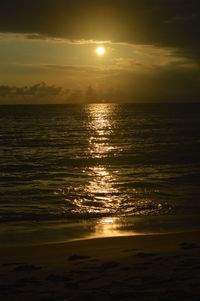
(171, 23)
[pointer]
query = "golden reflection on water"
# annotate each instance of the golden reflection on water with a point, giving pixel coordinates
(107, 226)
(102, 192)
(112, 226)
(101, 124)
(100, 189)
(101, 185)
(101, 181)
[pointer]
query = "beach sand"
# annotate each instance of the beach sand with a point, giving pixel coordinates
(146, 267)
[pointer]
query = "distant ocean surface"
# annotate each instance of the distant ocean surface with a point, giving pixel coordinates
(68, 162)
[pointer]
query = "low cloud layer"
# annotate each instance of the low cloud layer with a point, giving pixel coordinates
(172, 83)
(28, 93)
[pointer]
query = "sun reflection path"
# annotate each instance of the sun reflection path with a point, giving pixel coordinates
(105, 197)
(113, 226)
(100, 186)
(101, 125)
(107, 227)
(102, 181)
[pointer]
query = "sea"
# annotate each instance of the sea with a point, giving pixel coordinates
(83, 171)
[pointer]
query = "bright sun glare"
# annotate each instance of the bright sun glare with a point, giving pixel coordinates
(100, 51)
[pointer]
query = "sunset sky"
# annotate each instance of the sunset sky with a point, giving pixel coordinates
(48, 51)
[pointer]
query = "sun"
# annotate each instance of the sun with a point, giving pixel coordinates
(100, 51)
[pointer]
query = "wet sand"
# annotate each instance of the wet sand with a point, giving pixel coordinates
(147, 267)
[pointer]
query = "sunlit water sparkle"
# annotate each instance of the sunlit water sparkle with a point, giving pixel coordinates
(98, 160)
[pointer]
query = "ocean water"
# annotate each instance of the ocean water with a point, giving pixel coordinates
(99, 161)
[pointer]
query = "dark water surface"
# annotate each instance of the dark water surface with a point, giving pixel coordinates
(77, 162)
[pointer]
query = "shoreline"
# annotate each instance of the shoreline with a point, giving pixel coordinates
(176, 236)
(88, 239)
(32, 233)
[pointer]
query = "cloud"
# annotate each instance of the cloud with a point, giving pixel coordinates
(38, 91)
(172, 23)
(176, 82)
(73, 68)
(172, 83)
